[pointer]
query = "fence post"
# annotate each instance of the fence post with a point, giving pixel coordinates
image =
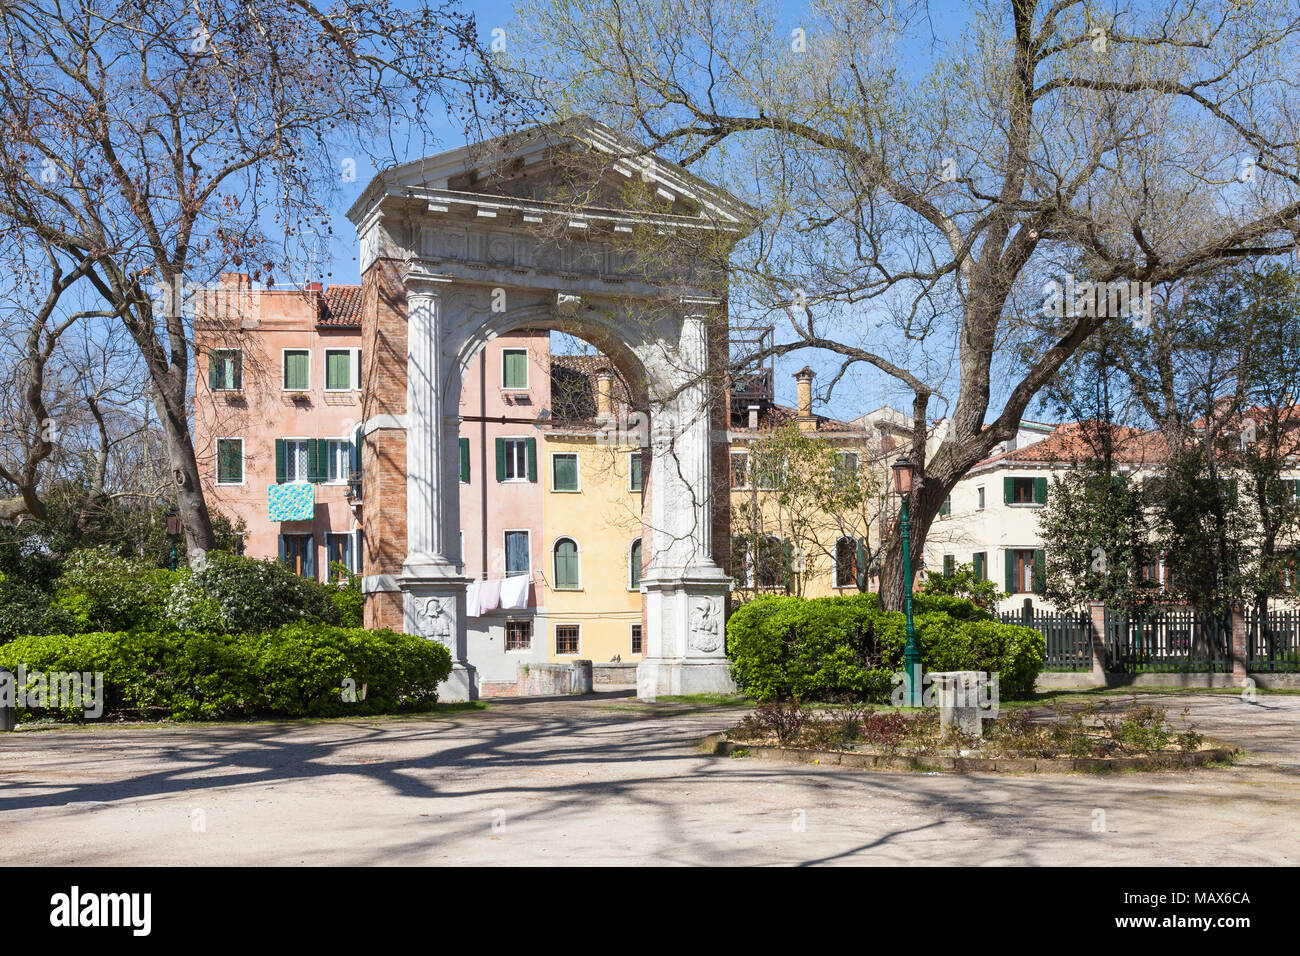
(1238, 640)
(8, 701)
(1027, 615)
(1097, 617)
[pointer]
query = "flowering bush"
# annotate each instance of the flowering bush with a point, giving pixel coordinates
(232, 593)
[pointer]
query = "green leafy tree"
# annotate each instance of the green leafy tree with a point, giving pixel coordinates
(807, 493)
(963, 583)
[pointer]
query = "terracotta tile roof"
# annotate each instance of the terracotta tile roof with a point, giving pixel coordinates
(1074, 442)
(340, 307)
(775, 416)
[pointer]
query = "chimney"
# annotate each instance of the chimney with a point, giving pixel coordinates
(313, 287)
(805, 419)
(604, 393)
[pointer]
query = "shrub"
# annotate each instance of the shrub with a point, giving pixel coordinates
(236, 594)
(824, 648)
(347, 597)
(25, 609)
(295, 671)
(103, 591)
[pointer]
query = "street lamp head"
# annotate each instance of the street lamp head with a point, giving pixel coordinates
(903, 473)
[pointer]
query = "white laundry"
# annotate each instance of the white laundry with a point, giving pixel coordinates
(514, 592)
(471, 600)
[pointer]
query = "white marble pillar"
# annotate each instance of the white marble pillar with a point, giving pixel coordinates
(433, 576)
(685, 590)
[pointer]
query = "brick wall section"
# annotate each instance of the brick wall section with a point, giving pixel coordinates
(383, 453)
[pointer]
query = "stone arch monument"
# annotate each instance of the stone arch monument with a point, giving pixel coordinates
(464, 246)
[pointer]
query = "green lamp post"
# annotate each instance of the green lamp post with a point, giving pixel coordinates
(903, 474)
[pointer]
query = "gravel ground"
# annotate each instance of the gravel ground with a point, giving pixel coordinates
(607, 780)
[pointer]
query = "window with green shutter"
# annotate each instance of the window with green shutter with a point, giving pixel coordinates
(1040, 491)
(338, 369)
(945, 509)
(514, 368)
(564, 472)
(230, 461)
(297, 370)
(1039, 581)
(949, 565)
(634, 566)
(226, 370)
(979, 564)
(566, 565)
(464, 460)
(634, 465)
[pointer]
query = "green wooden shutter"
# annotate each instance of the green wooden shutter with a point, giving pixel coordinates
(356, 453)
(313, 460)
(1011, 571)
(531, 445)
(949, 565)
(1040, 570)
(213, 382)
(977, 562)
(946, 507)
(464, 460)
(1040, 491)
(501, 459)
(787, 564)
(279, 461)
(1008, 490)
(860, 567)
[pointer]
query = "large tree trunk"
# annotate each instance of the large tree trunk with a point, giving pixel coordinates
(169, 402)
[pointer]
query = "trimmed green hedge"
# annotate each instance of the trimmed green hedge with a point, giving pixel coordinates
(299, 670)
(824, 648)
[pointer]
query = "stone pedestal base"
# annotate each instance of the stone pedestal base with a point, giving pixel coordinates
(434, 608)
(658, 677)
(958, 695)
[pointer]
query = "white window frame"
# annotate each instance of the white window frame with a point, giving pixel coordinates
(555, 638)
(835, 564)
(748, 474)
(578, 550)
(979, 491)
(527, 370)
(632, 544)
(353, 563)
(354, 370)
(283, 354)
(523, 442)
(306, 478)
(532, 630)
(636, 455)
(505, 571)
(240, 352)
(630, 646)
(577, 463)
(243, 463)
(347, 445)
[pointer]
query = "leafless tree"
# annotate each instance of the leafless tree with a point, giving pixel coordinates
(917, 193)
(157, 142)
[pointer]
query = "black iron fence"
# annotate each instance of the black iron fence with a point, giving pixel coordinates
(1169, 642)
(1069, 637)
(1166, 641)
(1276, 646)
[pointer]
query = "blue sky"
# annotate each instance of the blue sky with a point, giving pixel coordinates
(861, 390)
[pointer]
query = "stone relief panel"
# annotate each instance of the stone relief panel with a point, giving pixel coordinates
(706, 624)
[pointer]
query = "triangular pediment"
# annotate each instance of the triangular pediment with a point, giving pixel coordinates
(576, 163)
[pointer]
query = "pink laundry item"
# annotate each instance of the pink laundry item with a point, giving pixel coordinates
(489, 595)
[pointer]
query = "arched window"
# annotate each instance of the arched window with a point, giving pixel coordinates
(846, 563)
(773, 562)
(634, 566)
(567, 577)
